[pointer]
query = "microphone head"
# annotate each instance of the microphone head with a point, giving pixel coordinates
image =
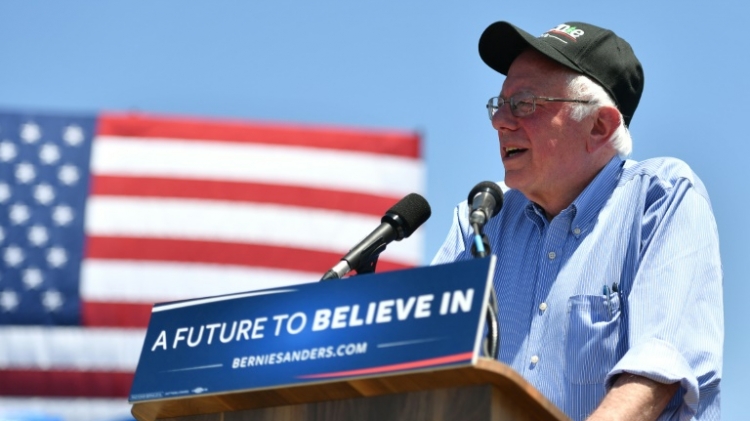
(408, 214)
(488, 187)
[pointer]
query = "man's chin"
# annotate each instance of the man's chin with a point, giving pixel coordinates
(513, 180)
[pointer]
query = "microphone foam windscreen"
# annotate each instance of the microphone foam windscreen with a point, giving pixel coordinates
(414, 210)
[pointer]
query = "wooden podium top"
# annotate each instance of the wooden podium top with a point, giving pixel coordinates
(486, 371)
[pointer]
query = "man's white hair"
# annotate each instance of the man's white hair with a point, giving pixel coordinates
(580, 86)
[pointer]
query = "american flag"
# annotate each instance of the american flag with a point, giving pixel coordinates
(103, 215)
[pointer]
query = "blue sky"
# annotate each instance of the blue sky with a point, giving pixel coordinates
(397, 64)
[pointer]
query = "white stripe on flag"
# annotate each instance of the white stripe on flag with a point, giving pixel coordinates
(283, 226)
(149, 282)
(78, 409)
(72, 348)
(293, 165)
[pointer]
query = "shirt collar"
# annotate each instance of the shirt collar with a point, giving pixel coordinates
(588, 204)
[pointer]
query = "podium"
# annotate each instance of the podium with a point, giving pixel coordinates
(487, 391)
(416, 354)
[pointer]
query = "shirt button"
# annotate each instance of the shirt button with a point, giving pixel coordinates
(543, 306)
(534, 359)
(551, 255)
(577, 231)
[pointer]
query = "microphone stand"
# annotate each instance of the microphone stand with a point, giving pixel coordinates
(367, 266)
(479, 249)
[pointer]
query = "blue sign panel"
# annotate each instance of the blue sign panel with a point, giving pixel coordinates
(361, 326)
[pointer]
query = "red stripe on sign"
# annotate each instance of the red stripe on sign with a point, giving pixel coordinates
(242, 192)
(393, 143)
(109, 314)
(465, 357)
(65, 383)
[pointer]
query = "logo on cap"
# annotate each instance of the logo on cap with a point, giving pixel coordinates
(570, 32)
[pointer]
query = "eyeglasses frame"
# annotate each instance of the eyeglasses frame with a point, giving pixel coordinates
(513, 106)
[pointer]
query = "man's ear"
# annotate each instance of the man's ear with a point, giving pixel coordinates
(607, 120)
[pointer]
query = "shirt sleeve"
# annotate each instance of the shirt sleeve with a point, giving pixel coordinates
(675, 305)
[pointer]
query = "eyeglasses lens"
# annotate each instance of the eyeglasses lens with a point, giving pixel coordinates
(521, 105)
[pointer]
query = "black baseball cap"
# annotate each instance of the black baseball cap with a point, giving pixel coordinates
(593, 51)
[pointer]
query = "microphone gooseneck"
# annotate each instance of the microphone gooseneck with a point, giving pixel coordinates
(485, 201)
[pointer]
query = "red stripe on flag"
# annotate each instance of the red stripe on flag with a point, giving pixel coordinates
(242, 192)
(65, 383)
(108, 314)
(195, 251)
(394, 143)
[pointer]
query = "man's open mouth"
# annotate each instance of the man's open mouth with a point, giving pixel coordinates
(510, 152)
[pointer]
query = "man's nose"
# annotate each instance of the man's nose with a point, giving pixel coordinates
(504, 118)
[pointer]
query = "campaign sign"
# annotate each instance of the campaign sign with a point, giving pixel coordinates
(367, 325)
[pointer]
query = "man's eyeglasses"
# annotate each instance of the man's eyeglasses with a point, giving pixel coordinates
(524, 103)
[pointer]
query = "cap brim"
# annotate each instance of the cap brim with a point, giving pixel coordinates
(502, 42)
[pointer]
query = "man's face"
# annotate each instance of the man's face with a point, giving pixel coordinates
(543, 153)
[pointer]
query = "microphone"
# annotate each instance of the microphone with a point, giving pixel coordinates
(485, 199)
(399, 222)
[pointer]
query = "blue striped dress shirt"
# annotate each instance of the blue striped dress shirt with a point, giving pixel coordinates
(628, 278)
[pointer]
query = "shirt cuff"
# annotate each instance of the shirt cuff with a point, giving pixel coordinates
(659, 361)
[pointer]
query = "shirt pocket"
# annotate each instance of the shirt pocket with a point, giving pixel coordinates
(593, 341)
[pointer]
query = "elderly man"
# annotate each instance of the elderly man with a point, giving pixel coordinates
(609, 279)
